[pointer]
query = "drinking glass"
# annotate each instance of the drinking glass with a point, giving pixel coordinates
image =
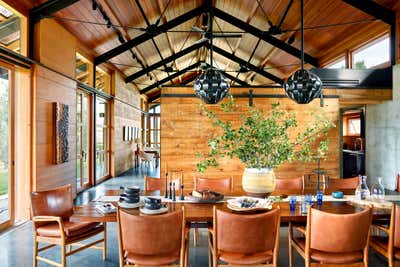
(292, 203)
(320, 197)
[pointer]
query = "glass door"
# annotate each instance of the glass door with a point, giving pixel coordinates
(102, 139)
(6, 148)
(82, 140)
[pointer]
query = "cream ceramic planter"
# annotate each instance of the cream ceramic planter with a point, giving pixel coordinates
(258, 182)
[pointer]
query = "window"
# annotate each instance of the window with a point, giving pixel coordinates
(83, 70)
(352, 125)
(10, 29)
(372, 55)
(337, 64)
(155, 126)
(102, 139)
(103, 80)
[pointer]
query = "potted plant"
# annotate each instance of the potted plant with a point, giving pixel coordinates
(264, 141)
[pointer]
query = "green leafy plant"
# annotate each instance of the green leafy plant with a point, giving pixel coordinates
(265, 139)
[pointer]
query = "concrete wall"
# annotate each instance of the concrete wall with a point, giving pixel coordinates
(383, 137)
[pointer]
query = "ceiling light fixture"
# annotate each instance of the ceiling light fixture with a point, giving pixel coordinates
(303, 86)
(211, 86)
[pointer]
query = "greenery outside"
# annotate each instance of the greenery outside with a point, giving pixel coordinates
(265, 139)
(3, 183)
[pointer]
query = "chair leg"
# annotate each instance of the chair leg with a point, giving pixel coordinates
(290, 245)
(105, 242)
(195, 234)
(63, 255)
(35, 251)
(69, 247)
(210, 259)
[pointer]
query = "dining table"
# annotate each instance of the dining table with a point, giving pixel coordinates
(203, 212)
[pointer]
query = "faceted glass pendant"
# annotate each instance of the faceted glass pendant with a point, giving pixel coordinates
(211, 86)
(303, 86)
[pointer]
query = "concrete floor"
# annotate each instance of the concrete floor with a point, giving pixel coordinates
(16, 245)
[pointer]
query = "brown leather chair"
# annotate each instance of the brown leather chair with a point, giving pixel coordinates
(214, 184)
(242, 239)
(389, 245)
(51, 211)
(290, 184)
(333, 238)
(343, 183)
(157, 240)
(154, 183)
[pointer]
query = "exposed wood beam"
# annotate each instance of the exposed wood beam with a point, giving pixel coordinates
(248, 65)
(148, 35)
(163, 62)
(167, 79)
(265, 36)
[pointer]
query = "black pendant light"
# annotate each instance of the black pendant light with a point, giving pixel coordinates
(303, 86)
(211, 86)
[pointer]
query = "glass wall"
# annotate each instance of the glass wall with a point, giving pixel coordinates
(102, 139)
(5, 148)
(155, 126)
(83, 140)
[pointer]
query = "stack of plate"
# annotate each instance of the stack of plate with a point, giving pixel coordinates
(130, 198)
(153, 205)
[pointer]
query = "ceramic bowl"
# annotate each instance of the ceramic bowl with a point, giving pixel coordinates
(337, 194)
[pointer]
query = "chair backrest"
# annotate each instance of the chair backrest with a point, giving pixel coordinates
(338, 233)
(154, 183)
(344, 183)
(398, 182)
(54, 202)
(396, 220)
(214, 184)
(290, 184)
(243, 233)
(151, 235)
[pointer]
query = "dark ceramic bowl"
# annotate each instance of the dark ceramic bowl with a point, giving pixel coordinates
(129, 199)
(152, 200)
(130, 189)
(152, 206)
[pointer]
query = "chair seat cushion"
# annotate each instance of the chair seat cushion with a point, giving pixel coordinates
(330, 257)
(151, 260)
(71, 228)
(246, 259)
(382, 242)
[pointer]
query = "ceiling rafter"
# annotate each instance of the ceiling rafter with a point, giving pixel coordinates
(149, 35)
(167, 79)
(265, 36)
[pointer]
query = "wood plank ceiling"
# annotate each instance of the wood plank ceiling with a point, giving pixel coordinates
(322, 43)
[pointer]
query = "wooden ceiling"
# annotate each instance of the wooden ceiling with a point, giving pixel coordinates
(325, 43)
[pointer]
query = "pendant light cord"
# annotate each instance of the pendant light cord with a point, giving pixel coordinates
(302, 33)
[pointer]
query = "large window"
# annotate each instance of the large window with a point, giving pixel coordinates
(103, 80)
(372, 55)
(155, 126)
(83, 70)
(10, 29)
(102, 139)
(337, 64)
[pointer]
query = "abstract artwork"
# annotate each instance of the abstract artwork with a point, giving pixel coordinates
(61, 120)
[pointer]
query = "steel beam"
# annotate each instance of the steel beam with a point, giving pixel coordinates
(163, 62)
(167, 79)
(148, 35)
(264, 35)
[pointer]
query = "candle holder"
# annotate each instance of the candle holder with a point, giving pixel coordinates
(166, 185)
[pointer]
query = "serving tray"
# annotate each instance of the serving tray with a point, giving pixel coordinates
(262, 204)
(217, 197)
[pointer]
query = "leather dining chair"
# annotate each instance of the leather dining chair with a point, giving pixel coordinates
(156, 240)
(343, 183)
(333, 239)
(290, 184)
(155, 183)
(215, 184)
(388, 246)
(398, 182)
(51, 211)
(244, 239)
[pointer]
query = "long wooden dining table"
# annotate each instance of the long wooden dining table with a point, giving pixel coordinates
(203, 212)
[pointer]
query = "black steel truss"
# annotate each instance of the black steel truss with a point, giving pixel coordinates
(155, 31)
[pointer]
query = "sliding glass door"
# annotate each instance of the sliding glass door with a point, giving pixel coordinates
(102, 139)
(83, 112)
(6, 148)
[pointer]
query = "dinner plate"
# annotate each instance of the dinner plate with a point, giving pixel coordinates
(153, 212)
(126, 205)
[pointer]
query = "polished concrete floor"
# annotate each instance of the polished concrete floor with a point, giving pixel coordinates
(16, 245)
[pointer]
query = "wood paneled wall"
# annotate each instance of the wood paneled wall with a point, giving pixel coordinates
(52, 87)
(185, 131)
(124, 115)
